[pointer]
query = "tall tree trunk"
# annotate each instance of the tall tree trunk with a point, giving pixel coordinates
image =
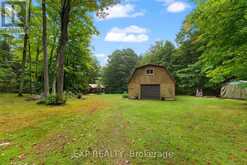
(23, 65)
(30, 68)
(37, 60)
(65, 12)
(29, 48)
(54, 82)
(38, 50)
(53, 48)
(24, 54)
(45, 51)
(51, 64)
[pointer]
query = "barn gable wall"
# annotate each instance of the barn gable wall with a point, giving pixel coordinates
(160, 76)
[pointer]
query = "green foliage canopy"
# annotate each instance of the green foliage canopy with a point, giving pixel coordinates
(121, 64)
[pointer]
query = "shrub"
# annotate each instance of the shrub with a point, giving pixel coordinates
(69, 94)
(51, 100)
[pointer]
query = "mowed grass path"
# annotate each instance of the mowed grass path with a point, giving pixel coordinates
(192, 130)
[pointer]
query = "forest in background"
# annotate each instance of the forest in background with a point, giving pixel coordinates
(54, 53)
(211, 50)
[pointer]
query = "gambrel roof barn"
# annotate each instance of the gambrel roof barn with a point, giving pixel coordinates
(151, 82)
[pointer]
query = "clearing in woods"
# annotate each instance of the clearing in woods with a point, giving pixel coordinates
(107, 129)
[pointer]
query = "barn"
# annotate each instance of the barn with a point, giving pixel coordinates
(151, 82)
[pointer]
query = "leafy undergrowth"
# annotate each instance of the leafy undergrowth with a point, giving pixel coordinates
(109, 129)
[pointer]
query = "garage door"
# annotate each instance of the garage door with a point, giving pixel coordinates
(150, 91)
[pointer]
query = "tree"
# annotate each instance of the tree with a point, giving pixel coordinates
(26, 20)
(64, 16)
(65, 42)
(222, 27)
(186, 61)
(7, 73)
(118, 70)
(161, 54)
(66, 7)
(45, 51)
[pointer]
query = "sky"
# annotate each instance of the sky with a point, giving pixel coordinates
(137, 24)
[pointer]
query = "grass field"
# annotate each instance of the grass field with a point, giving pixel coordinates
(108, 129)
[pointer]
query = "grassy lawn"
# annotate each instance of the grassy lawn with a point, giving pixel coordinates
(187, 131)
